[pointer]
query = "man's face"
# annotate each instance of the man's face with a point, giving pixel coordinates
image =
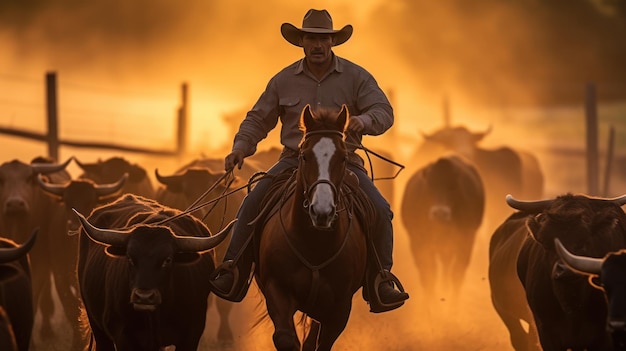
(317, 48)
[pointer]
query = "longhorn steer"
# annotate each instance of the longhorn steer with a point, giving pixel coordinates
(16, 299)
(568, 312)
(143, 275)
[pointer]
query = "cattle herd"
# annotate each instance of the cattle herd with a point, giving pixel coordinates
(127, 262)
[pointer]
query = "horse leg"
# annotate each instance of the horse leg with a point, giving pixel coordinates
(67, 289)
(332, 327)
(281, 309)
(310, 342)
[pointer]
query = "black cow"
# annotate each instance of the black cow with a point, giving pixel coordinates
(83, 195)
(186, 187)
(507, 293)
(609, 275)
(112, 169)
(25, 207)
(143, 275)
(502, 169)
(16, 291)
(442, 209)
(568, 312)
(7, 336)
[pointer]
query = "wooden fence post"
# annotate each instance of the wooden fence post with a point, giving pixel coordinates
(183, 113)
(608, 169)
(52, 115)
(592, 139)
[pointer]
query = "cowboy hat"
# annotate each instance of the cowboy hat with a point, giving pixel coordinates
(317, 22)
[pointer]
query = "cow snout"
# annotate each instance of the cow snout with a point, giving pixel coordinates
(145, 299)
(15, 206)
(440, 213)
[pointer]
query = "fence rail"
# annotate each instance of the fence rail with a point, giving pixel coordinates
(51, 138)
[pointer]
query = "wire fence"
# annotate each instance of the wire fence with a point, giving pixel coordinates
(92, 112)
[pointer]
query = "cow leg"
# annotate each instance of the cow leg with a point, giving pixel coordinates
(426, 266)
(224, 333)
(42, 296)
(66, 287)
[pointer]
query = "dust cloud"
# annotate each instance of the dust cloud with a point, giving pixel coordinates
(504, 64)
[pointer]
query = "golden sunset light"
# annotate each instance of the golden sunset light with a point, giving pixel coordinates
(520, 71)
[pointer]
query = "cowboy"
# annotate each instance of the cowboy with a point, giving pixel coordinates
(320, 79)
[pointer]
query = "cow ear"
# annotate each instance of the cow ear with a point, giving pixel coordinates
(115, 251)
(184, 258)
(532, 225)
(8, 272)
(596, 282)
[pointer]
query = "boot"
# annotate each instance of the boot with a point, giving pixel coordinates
(228, 283)
(381, 292)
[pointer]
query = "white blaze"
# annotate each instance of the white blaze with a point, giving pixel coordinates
(322, 201)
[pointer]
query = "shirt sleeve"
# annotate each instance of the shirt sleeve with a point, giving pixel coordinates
(376, 111)
(259, 121)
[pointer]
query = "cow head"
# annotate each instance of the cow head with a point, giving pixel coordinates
(588, 226)
(609, 275)
(151, 251)
(10, 254)
(22, 203)
(458, 139)
(82, 194)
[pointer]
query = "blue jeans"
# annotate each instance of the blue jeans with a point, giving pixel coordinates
(249, 209)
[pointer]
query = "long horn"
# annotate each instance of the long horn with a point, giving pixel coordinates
(528, 206)
(582, 264)
(619, 201)
(103, 236)
(54, 189)
(173, 180)
(46, 168)
(108, 189)
(197, 244)
(9, 254)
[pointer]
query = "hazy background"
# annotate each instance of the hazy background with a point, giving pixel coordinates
(519, 66)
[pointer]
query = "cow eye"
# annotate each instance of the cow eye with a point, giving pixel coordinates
(131, 262)
(167, 262)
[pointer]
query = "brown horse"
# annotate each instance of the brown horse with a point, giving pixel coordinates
(312, 246)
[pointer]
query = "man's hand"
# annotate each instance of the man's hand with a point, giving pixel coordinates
(233, 159)
(355, 125)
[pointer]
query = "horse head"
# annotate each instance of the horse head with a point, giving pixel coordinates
(322, 163)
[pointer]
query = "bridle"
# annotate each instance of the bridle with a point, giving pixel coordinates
(308, 190)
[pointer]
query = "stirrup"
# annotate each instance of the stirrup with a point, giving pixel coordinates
(376, 305)
(240, 287)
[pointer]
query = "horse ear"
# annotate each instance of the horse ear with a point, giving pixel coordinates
(342, 118)
(306, 118)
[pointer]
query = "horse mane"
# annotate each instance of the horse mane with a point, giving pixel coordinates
(325, 119)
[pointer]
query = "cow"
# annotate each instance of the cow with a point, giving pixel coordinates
(507, 293)
(143, 274)
(83, 195)
(609, 275)
(186, 187)
(502, 169)
(25, 207)
(112, 169)
(442, 209)
(7, 336)
(568, 312)
(16, 298)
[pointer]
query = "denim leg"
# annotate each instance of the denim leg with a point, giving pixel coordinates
(383, 230)
(249, 208)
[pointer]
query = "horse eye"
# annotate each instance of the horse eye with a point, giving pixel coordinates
(167, 262)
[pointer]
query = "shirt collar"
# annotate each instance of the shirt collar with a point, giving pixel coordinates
(336, 65)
